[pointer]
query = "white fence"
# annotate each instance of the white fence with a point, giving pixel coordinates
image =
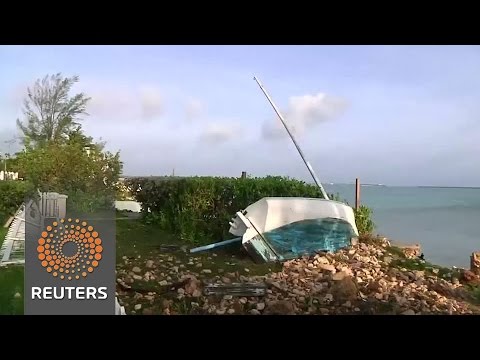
(9, 175)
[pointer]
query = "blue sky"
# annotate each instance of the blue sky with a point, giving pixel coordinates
(399, 115)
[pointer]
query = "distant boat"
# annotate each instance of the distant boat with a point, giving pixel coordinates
(372, 185)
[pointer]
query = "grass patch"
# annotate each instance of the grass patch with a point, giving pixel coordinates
(136, 240)
(401, 261)
(476, 294)
(11, 282)
(3, 231)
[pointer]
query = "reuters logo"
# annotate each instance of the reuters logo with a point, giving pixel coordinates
(70, 249)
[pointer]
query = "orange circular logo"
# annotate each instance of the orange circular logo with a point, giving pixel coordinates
(70, 250)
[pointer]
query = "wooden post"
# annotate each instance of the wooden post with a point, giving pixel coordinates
(357, 193)
(244, 174)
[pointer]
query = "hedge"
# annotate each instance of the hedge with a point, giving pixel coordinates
(198, 209)
(12, 194)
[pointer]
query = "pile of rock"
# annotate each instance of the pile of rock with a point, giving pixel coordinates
(363, 279)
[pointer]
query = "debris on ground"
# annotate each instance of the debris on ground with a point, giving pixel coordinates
(367, 278)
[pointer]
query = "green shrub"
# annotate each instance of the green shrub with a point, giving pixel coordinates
(199, 208)
(85, 203)
(363, 219)
(12, 195)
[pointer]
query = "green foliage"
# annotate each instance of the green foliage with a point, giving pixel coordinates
(363, 219)
(11, 283)
(67, 167)
(12, 194)
(199, 208)
(89, 179)
(83, 202)
(476, 294)
(50, 114)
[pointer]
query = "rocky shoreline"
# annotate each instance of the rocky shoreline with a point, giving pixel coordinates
(370, 277)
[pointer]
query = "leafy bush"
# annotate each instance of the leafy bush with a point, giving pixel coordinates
(199, 208)
(87, 203)
(363, 219)
(12, 194)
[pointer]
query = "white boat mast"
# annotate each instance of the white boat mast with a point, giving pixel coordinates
(309, 167)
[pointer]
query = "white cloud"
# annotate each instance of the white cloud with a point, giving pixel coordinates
(303, 113)
(151, 101)
(216, 133)
(194, 109)
(119, 102)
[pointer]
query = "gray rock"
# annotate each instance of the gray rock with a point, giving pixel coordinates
(181, 291)
(199, 265)
(17, 295)
(408, 312)
(149, 264)
(163, 283)
(138, 307)
(345, 289)
(221, 311)
(327, 267)
(419, 274)
(339, 276)
(255, 312)
(137, 277)
(328, 298)
(298, 292)
(387, 259)
(196, 293)
(260, 306)
(206, 271)
(137, 270)
(231, 311)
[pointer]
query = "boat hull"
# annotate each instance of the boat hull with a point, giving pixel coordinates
(282, 228)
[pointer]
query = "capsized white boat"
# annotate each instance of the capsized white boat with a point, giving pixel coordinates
(282, 228)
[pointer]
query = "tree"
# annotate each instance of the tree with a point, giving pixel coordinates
(50, 115)
(89, 179)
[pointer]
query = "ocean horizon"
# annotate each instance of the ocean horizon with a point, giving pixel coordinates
(442, 219)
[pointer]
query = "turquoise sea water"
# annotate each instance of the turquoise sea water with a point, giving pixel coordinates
(444, 221)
